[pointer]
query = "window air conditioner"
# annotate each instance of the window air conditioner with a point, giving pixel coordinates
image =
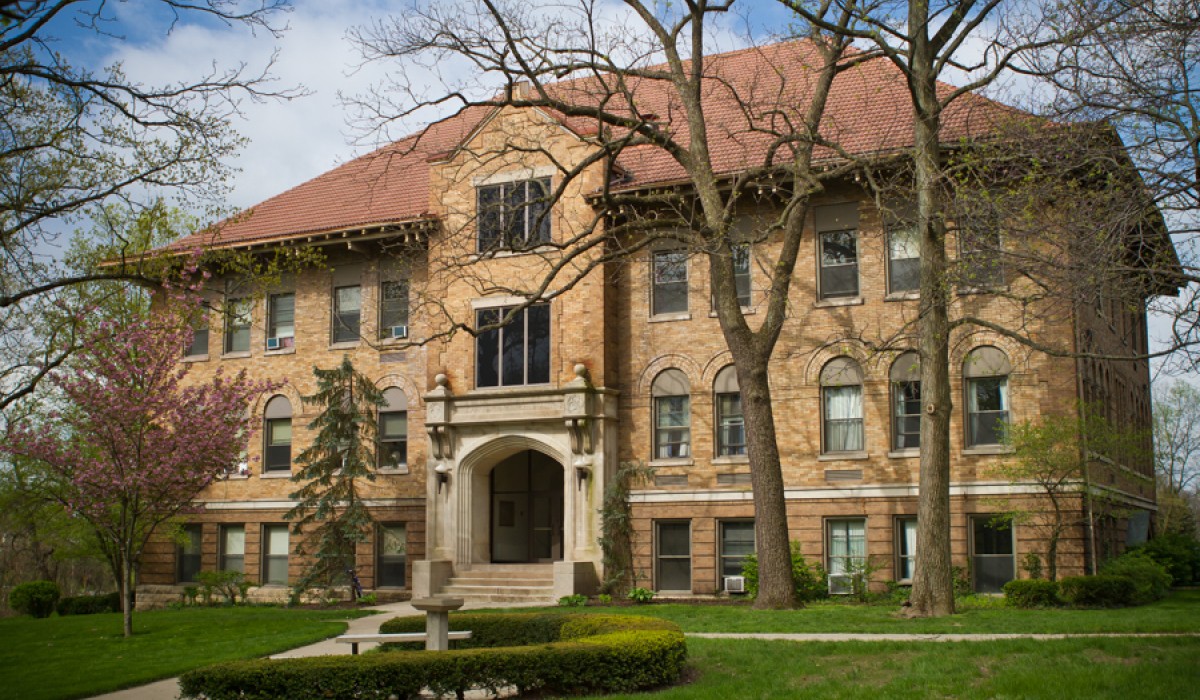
(735, 584)
(841, 584)
(273, 343)
(399, 331)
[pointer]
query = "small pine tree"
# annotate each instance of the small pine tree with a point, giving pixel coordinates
(341, 456)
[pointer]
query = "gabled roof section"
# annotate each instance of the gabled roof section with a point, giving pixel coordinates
(749, 94)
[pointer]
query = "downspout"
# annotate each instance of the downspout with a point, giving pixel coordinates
(1083, 449)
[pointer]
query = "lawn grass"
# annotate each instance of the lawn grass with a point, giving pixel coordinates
(1078, 668)
(84, 655)
(1179, 612)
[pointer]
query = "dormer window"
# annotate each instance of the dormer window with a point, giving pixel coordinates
(513, 215)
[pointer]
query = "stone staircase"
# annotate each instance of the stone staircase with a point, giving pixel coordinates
(503, 583)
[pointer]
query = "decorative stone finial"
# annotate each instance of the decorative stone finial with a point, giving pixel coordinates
(441, 380)
(581, 370)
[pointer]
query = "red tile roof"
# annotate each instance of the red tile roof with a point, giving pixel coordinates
(750, 94)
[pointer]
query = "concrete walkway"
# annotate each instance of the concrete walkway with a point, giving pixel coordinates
(169, 689)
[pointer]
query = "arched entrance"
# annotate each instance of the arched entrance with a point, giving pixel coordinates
(526, 518)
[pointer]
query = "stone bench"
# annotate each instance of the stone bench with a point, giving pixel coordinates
(355, 639)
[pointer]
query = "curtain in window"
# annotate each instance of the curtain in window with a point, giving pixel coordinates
(843, 419)
(847, 545)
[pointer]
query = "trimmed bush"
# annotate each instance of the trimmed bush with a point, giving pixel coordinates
(90, 604)
(1097, 591)
(1151, 581)
(565, 654)
(36, 598)
(1031, 593)
(1180, 554)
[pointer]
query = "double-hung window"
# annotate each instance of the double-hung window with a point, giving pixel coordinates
(277, 429)
(393, 309)
(980, 253)
(199, 345)
(737, 543)
(669, 282)
(672, 415)
(275, 555)
(731, 425)
(837, 238)
(906, 401)
(906, 548)
(847, 545)
(904, 258)
(842, 406)
(393, 556)
(673, 560)
(237, 324)
(281, 321)
(188, 557)
(985, 378)
(347, 313)
(233, 548)
(513, 215)
(393, 430)
(515, 353)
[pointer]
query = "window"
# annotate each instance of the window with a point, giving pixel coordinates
(673, 560)
(516, 353)
(237, 324)
(393, 430)
(188, 557)
(992, 561)
(841, 400)
(980, 253)
(393, 309)
(199, 346)
(513, 215)
(277, 435)
(731, 427)
(837, 237)
(906, 402)
(985, 373)
(281, 321)
(393, 554)
(275, 555)
(347, 313)
(669, 283)
(672, 415)
(741, 274)
(847, 545)
(233, 548)
(737, 543)
(904, 258)
(906, 548)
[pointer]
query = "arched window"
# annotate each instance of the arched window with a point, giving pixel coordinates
(905, 378)
(672, 415)
(985, 375)
(731, 427)
(841, 400)
(393, 430)
(277, 435)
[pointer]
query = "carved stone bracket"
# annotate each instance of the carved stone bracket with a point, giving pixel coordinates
(441, 440)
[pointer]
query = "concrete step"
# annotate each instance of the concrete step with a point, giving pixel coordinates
(501, 582)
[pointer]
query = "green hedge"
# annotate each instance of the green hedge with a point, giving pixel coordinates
(1031, 593)
(89, 604)
(36, 598)
(1100, 591)
(567, 654)
(1151, 581)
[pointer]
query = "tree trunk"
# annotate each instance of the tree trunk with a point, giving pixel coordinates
(126, 590)
(933, 580)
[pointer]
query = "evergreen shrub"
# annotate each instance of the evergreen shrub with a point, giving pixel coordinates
(1031, 593)
(90, 604)
(1151, 581)
(36, 598)
(1102, 591)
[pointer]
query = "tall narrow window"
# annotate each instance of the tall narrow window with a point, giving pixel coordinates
(669, 282)
(281, 321)
(985, 374)
(393, 430)
(672, 415)
(516, 353)
(906, 401)
(847, 545)
(992, 560)
(904, 258)
(737, 543)
(980, 252)
(513, 215)
(188, 558)
(393, 556)
(731, 426)
(906, 548)
(673, 560)
(233, 548)
(393, 309)
(199, 346)
(347, 313)
(841, 399)
(277, 435)
(237, 324)
(275, 555)
(741, 275)
(837, 238)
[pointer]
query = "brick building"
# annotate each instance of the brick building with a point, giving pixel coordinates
(495, 449)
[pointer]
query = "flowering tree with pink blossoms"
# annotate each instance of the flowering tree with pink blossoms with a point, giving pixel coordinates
(136, 442)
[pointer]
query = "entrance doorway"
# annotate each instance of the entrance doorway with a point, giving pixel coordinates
(527, 509)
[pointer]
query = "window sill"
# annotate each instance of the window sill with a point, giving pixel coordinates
(276, 475)
(987, 450)
(731, 459)
(403, 469)
(671, 462)
(987, 289)
(240, 355)
(281, 351)
(394, 342)
(662, 318)
(838, 301)
(905, 454)
(497, 253)
(839, 456)
(902, 296)
(746, 311)
(196, 358)
(237, 477)
(344, 345)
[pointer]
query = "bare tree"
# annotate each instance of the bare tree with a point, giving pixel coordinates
(1176, 452)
